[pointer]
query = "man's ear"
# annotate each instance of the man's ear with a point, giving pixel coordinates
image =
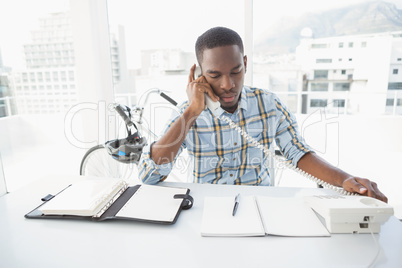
(245, 63)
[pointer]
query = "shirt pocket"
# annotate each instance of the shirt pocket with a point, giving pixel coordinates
(254, 154)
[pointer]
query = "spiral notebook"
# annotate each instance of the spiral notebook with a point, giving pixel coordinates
(107, 199)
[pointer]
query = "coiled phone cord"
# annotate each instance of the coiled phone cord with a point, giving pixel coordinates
(287, 164)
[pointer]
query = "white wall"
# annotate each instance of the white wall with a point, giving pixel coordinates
(36, 146)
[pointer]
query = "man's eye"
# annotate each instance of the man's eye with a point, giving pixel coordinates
(214, 76)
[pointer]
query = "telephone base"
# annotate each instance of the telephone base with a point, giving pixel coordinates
(350, 214)
(350, 227)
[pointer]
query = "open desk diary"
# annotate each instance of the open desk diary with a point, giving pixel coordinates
(109, 199)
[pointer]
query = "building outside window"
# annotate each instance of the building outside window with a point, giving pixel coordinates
(395, 85)
(338, 103)
(320, 74)
(319, 86)
(318, 103)
(341, 86)
(323, 60)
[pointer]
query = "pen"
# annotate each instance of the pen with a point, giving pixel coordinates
(236, 204)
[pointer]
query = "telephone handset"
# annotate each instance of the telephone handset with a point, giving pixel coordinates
(214, 106)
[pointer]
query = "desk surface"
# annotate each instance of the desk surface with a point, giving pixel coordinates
(75, 243)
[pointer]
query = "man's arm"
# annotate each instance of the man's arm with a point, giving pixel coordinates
(165, 149)
(318, 167)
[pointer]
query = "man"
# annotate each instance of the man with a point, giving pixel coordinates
(218, 152)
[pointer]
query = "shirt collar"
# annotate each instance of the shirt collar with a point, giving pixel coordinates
(243, 99)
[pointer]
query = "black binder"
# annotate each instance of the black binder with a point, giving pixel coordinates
(113, 207)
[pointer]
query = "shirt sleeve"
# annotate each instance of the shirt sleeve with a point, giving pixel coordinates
(288, 138)
(148, 171)
(151, 173)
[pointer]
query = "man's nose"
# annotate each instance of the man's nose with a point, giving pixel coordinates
(227, 83)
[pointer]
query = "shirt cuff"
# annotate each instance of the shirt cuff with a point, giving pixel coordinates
(163, 169)
(299, 155)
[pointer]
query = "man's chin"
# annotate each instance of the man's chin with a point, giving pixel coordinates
(229, 107)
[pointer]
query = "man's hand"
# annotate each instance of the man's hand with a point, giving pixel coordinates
(363, 187)
(318, 167)
(196, 89)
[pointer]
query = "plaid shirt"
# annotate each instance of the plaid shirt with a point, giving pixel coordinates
(219, 154)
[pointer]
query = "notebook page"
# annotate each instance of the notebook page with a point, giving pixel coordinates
(83, 198)
(154, 203)
(217, 219)
(289, 217)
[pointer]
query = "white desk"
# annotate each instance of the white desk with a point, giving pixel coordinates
(75, 243)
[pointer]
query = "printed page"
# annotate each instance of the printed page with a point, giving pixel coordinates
(289, 217)
(217, 219)
(83, 198)
(154, 203)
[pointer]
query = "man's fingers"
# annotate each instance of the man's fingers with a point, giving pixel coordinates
(191, 77)
(365, 187)
(354, 187)
(212, 95)
(380, 195)
(372, 189)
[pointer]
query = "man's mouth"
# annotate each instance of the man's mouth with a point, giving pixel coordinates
(228, 99)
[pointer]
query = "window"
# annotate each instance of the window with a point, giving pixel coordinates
(364, 44)
(395, 85)
(319, 86)
(350, 59)
(350, 44)
(320, 74)
(318, 46)
(339, 103)
(318, 103)
(343, 72)
(40, 76)
(395, 71)
(55, 76)
(390, 102)
(340, 45)
(323, 61)
(399, 59)
(341, 86)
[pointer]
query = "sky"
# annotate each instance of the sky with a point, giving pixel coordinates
(154, 23)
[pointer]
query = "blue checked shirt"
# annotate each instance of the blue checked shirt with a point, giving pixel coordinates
(220, 154)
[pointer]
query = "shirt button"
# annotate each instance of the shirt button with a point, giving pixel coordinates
(231, 175)
(235, 143)
(234, 159)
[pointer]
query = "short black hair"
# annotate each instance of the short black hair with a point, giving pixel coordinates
(217, 37)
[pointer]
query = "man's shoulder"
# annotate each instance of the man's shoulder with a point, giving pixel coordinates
(265, 94)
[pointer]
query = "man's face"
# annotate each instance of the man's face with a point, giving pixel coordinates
(224, 68)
